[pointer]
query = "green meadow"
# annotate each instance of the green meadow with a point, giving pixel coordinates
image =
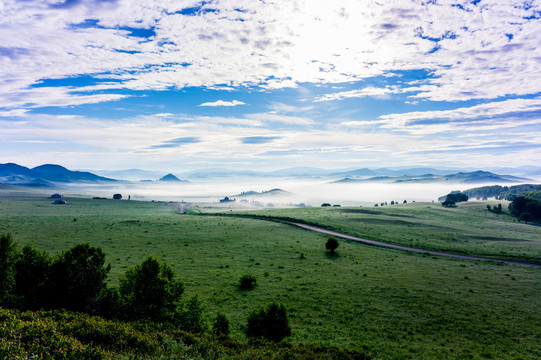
(386, 303)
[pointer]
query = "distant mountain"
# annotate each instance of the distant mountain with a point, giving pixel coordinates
(59, 173)
(45, 175)
(220, 173)
(172, 178)
(273, 192)
(129, 174)
(460, 177)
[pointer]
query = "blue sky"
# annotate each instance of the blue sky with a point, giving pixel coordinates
(181, 84)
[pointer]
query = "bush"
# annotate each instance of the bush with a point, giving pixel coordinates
(150, 291)
(191, 317)
(325, 205)
(332, 244)
(448, 203)
(247, 282)
(220, 326)
(270, 323)
(117, 196)
(77, 279)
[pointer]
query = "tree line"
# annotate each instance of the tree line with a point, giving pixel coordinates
(76, 280)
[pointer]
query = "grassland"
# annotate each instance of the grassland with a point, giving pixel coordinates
(467, 229)
(387, 303)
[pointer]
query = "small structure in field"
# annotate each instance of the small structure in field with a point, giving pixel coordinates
(182, 206)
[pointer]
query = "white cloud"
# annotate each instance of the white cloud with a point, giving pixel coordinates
(223, 103)
(366, 92)
(485, 50)
(494, 115)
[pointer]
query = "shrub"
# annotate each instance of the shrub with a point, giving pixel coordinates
(117, 196)
(448, 203)
(270, 323)
(191, 317)
(77, 278)
(220, 326)
(325, 205)
(526, 217)
(150, 291)
(332, 244)
(247, 282)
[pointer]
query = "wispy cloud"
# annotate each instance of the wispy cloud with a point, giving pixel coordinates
(366, 92)
(223, 103)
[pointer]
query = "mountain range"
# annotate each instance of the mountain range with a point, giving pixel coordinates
(474, 177)
(51, 174)
(46, 175)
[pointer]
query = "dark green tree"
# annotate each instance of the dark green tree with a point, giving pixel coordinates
(78, 278)
(331, 244)
(526, 217)
(448, 203)
(270, 323)
(8, 256)
(220, 326)
(31, 277)
(150, 291)
(191, 316)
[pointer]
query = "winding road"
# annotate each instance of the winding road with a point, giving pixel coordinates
(406, 248)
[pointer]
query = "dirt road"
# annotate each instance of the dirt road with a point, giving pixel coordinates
(406, 248)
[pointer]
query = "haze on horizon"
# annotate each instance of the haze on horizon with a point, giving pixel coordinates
(181, 85)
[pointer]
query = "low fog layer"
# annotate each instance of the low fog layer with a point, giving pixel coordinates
(308, 192)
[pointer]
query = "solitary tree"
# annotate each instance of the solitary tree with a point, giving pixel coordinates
(117, 196)
(332, 244)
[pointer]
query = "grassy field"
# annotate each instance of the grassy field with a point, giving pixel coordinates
(388, 303)
(466, 229)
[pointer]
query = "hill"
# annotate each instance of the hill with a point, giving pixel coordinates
(45, 175)
(475, 177)
(172, 178)
(273, 192)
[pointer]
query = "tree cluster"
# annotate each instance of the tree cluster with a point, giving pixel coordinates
(495, 209)
(525, 209)
(76, 280)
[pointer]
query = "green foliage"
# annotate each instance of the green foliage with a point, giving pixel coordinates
(8, 254)
(117, 196)
(530, 208)
(77, 278)
(220, 326)
(495, 209)
(150, 291)
(326, 205)
(31, 277)
(191, 316)
(332, 244)
(448, 203)
(247, 282)
(60, 335)
(268, 322)
(456, 197)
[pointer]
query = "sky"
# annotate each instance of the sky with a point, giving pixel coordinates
(246, 84)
